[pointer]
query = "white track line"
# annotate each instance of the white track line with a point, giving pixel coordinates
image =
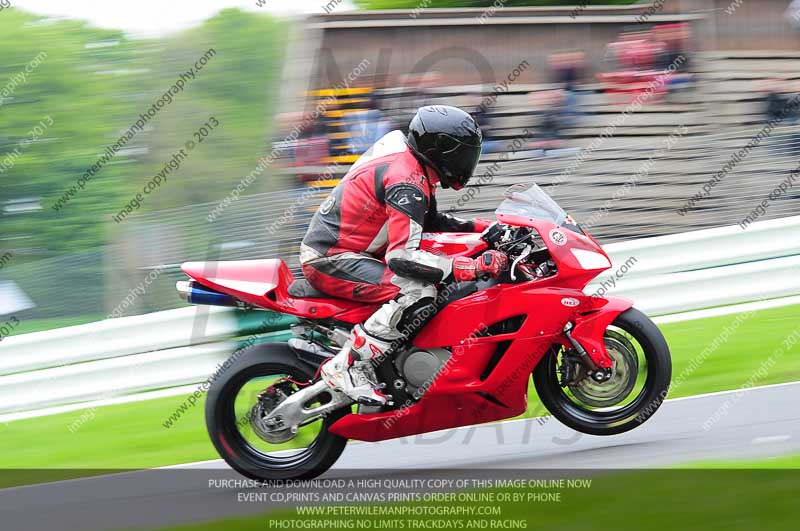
(727, 310)
(80, 406)
(771, 439)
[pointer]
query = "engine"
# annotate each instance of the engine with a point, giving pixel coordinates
(419, 368)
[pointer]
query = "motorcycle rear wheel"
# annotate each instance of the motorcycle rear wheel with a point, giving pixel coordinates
(599, 417)
(237, 441)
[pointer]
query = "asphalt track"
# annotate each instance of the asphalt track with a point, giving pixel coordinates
(756, 423)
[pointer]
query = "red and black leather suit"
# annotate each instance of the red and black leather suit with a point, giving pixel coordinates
(363, 242)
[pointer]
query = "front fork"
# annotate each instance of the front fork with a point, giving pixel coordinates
(587, 334)
(596, 373)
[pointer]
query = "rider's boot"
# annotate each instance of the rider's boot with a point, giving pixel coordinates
(351, 370)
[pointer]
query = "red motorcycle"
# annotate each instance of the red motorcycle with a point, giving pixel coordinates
(598, 365)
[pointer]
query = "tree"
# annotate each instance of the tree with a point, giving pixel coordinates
(90, 86)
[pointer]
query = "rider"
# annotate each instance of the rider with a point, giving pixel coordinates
(379, 211)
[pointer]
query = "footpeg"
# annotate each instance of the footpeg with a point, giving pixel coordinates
(371, 402)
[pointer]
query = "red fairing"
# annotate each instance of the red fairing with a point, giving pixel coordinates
(464, 392)
(579, 257)
(458, 396)
(590, 329)
(265, 284)
(452, 243)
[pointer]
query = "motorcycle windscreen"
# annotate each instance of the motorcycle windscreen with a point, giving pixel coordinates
(528, 200)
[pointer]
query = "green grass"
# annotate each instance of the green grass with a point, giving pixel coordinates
(782, 462)
(124, 436)
(731, 364)
(131, 436)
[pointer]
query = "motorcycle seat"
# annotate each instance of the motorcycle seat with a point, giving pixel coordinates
(302, 289)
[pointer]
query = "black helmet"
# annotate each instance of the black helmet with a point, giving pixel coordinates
(449, 140)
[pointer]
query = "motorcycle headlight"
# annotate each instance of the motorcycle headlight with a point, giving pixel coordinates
(591, 259)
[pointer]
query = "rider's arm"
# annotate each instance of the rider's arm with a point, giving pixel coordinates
(436, 221)
(406, 208)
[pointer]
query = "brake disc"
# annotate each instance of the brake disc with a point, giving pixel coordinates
(274, 432)
(624, 373)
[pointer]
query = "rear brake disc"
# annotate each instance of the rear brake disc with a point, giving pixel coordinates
(268, 401)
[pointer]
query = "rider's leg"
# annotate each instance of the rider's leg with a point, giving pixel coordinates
(372, 341)
(351, 370)
(352, 276)
(387, 321)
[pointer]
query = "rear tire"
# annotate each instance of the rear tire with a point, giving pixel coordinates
(224, 427)
(628, 416)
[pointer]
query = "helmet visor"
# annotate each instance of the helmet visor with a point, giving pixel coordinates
(458, 160)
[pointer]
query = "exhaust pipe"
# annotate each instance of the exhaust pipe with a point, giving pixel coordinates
(183, 287)
(195, 293)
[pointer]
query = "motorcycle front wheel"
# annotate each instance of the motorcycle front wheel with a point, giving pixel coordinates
(639, 383)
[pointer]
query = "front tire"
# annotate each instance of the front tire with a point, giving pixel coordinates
(246, 453)
(600, 417)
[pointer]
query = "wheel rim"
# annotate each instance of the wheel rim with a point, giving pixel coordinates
(626, 391)
(238, 401)
(623, 376)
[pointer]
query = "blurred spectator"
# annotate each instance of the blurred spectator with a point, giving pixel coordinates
(674, 39)
(418, 91)
(548, 106)
(635, 51)
(777, 107)
(309, 148)
(779, 95)
(568, 69)
(631, 59)
(389, 99)
(640, 58)
(674, 53)
(775, 100)
(284, 122)
(480, 111)
(367, 126)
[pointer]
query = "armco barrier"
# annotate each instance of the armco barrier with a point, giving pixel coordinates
(704, 249)
(178, 347)
(126, 336)
(706, 268)
(124, 356)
